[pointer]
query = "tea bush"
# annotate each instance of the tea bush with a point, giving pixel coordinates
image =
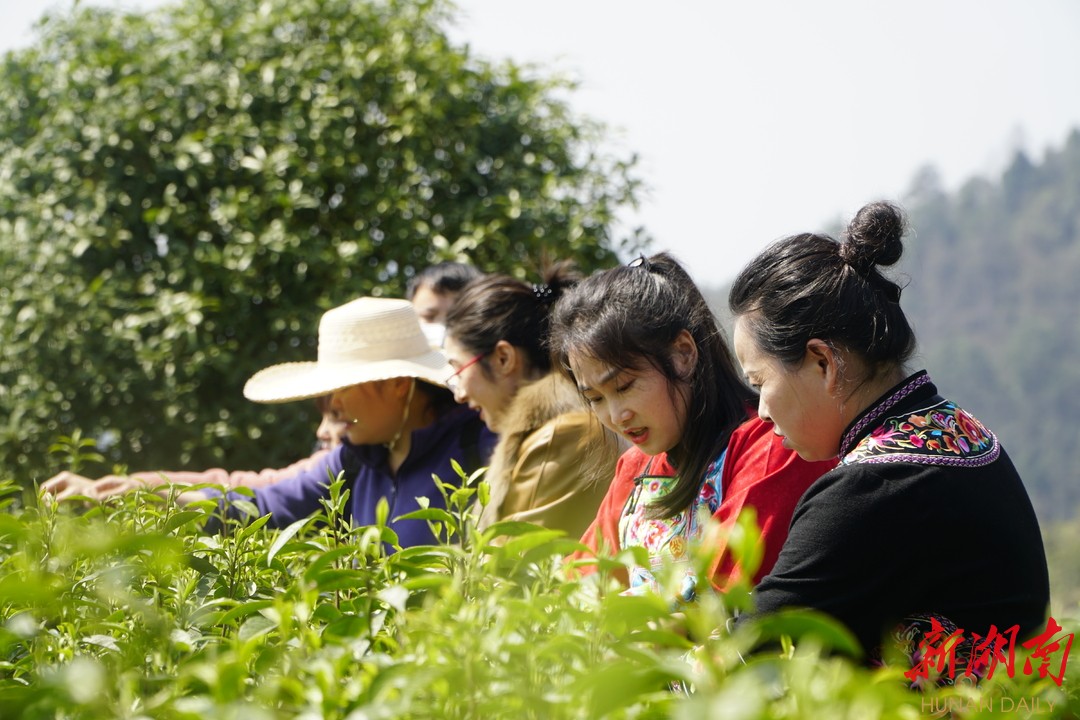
(127, 609)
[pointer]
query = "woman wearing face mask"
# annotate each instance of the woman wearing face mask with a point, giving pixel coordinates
(553, 461)
(433, 290)
(925, 515)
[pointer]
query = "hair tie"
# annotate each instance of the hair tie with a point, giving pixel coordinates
(858, 263)
(866, 271)
(542, 291)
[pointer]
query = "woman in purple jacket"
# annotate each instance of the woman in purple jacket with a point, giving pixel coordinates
(402, 424)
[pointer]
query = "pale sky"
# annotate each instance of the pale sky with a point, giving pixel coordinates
(755, 120)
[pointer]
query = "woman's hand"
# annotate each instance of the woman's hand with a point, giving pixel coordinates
(68, 484)
(117, 485)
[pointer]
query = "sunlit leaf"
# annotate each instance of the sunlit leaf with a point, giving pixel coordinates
(256, 626)
(284, 536)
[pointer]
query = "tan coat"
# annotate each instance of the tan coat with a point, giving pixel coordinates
(554, 460)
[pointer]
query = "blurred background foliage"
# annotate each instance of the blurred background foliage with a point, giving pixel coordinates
(183, 193)
(994, 297)
(993, 291)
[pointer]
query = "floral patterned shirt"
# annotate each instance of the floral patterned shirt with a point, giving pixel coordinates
(667, 540)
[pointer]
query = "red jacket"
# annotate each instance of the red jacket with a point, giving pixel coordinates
(758, 471)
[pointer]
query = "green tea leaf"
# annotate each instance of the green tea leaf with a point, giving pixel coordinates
(284, 536)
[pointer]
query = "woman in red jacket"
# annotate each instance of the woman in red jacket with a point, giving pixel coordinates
(646, 353)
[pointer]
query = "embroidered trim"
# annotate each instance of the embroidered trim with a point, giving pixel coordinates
(922, 378)
(667, 539)
(942, 434)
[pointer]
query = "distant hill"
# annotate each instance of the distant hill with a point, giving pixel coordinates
(994, 296)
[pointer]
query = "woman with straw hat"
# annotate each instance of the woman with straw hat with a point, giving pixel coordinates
(402, 425)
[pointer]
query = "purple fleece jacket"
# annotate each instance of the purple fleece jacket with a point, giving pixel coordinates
(458, 434)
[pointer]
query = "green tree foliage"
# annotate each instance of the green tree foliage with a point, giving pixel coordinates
(993, 296)
(182, 193)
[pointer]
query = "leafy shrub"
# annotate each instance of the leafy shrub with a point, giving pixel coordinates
(126, 609)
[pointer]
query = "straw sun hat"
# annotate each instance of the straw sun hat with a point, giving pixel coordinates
(365, 340)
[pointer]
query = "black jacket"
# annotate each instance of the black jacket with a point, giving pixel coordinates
(925, 514)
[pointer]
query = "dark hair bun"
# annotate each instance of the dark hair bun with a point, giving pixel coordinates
(873, 237)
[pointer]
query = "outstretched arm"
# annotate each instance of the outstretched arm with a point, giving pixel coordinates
(67, 485)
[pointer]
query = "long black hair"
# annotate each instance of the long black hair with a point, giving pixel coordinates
(812, 286)
(628, 317)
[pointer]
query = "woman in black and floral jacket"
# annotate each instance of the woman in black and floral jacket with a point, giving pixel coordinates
(925, 515)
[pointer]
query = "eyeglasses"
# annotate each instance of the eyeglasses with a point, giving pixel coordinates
(453, 380)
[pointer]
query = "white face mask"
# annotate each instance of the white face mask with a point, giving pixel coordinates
(434, 332)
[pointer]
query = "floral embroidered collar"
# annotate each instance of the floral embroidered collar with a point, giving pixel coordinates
(935, 432)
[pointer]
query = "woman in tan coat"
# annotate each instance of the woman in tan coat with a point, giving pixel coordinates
(554, 460)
